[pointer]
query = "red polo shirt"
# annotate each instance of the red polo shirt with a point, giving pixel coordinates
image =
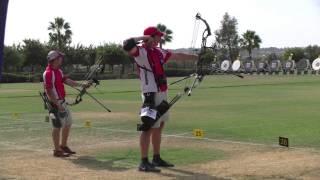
(54, 79)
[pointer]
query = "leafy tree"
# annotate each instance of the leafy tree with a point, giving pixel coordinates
(12, 58)
(249, 41)
(60, 33)
(312, 52)
(84, 55)
(227, 36)
(167, 34)
(221, 53)
(91, 55)
(34, 52)
(298, 53)
(113, 54)
(79, 56)
(208, 57)
(272, 56)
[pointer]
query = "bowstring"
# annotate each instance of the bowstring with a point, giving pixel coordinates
(92, 70)
(95, 67)
(194, 39)
(188, 81)
(195, 34)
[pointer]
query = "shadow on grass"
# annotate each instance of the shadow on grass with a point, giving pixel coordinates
(95, 164)
(111, 165)
(180, 174)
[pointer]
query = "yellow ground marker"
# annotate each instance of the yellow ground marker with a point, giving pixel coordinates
(198, 133)
(15, 115)
(87, 124)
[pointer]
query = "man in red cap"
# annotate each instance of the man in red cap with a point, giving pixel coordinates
(150, 60)
(53, 81)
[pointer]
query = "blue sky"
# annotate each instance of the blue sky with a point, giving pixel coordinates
(279, 23)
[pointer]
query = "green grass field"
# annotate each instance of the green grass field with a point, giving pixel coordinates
(256, 109)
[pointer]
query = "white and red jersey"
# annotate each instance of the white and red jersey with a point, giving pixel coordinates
(54, 79)
(150, 62)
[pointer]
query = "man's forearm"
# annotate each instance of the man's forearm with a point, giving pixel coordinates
(72, 83)
(141, 38)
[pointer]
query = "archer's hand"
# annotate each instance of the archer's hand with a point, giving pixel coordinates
(148, 39)
(87, 84)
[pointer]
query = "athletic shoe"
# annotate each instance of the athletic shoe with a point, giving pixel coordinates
(66, 149)
(161, 163)
(57, 153)
(148, 167)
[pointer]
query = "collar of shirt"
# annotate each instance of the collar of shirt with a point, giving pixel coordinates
(52, 68)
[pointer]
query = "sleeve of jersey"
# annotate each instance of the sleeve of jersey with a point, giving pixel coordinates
(47, 79)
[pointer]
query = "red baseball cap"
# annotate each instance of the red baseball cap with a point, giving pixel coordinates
(152, 31)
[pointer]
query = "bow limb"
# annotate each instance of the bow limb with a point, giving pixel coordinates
(195, 83)
(81, 93)
(96, 67)
(97, 101)
(78, 98)
(206, 33)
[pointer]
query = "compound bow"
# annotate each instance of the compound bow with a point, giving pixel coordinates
(91, 80)
(199, 72)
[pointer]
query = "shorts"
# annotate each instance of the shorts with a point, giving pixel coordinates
(159, 97)
(60, 120)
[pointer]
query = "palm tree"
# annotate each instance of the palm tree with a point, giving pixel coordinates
(249, 41)
(167, 34)
(60, 34)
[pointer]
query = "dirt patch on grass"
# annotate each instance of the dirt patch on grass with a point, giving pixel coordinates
(270, 163)
(250, 161)
(243, 161)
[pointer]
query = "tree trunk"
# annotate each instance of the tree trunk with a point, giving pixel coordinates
(230, 50)
(111, 68)
(122, 70)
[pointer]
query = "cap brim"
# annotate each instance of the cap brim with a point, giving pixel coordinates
(59, 54)
(160, 33)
